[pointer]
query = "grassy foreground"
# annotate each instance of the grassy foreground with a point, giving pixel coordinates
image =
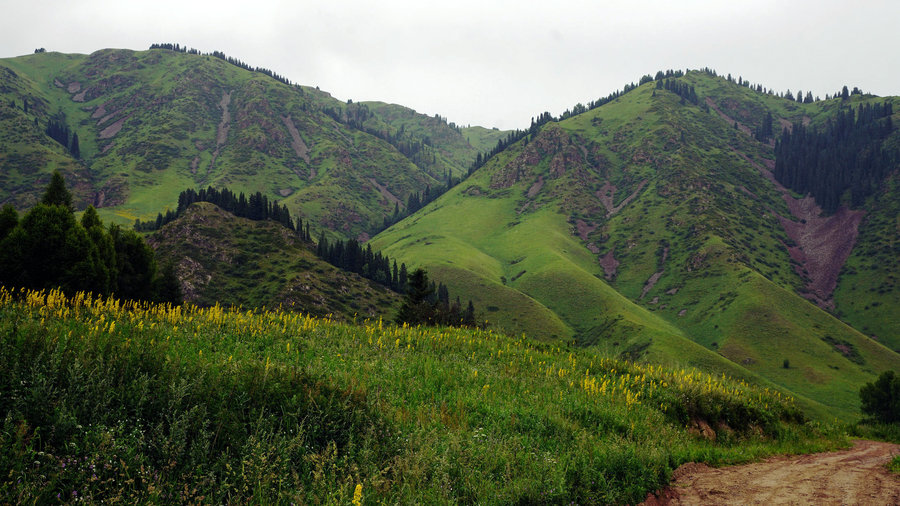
(120, 402)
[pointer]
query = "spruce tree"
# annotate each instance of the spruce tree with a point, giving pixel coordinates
(416, 308)
(56, 193)
(74, 149)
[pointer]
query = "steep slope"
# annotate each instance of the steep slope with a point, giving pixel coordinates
(483, 139)
(641, 224)
(223, 259)
(868, 290)
(153, 123)
(28, 156)
(451, 148)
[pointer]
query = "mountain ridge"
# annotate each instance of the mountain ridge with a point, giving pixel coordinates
(673, 210)
(648, 223)
(156, 122)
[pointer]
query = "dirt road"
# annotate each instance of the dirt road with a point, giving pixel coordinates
(855, 477)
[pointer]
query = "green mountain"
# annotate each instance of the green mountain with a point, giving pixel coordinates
(222, 259)
(153, 123)
(652, 226)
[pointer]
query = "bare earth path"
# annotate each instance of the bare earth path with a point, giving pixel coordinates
(856, 476)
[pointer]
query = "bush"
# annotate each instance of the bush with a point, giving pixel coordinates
(881, 399)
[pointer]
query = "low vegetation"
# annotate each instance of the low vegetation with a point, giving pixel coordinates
(109, 401)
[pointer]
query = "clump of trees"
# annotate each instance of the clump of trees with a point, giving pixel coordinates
(58, 130)
(423, 305)
(683, 90)
(848, 153)
(49, 248)
(425, 302)
(881, 399)
(178, 48)
(351, 256)
(257, 207)
(765, 130)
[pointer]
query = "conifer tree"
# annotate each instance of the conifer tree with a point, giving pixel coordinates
(57, 194)
(74, 149)
(417, 308)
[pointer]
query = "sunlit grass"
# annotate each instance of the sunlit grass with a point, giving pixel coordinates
(220, 404)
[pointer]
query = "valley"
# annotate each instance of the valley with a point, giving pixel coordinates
(660, 277)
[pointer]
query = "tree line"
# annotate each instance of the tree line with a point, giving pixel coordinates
(222, 56)
(425, 303)
(48, 248)
(848, 153)
(546, 117)
(843, 94)
(416, 201)
(58, 130)
(765, 130)
(257, 208)
(683, 90)
(351, 256)
(420, 151)
(435, 308)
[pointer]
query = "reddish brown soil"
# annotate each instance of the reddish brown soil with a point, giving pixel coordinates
(607, 193)
(222, 131)
(729, 119)
(855, 476)
(609, 264)
(584, 229)
(536, 187)
(388, 196)
(113, 129)
(822, 243)
(297, 143)
(99, 112)
(651, 283)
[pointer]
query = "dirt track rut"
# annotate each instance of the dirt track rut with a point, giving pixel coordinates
(856, 476)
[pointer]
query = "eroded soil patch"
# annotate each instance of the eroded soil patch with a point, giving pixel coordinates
(855, 476)
(821, 243)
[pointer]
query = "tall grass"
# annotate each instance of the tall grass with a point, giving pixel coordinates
(112, 401)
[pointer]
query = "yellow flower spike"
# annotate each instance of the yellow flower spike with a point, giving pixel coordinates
(357, 495)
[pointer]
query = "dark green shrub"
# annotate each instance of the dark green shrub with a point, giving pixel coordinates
(881, 399)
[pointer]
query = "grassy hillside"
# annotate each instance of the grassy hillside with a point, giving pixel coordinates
(455, 148)
(153, 123)
(643, 223)
(105, 401)
(226, 260)
(483, 139)
(27, 155)
(868, 292)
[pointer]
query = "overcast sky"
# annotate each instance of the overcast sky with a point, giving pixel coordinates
(491, 62)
